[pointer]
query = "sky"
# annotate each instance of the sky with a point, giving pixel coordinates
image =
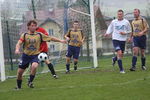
(110, 7)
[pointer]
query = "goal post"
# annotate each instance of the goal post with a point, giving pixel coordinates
(89, 14)
(52, 20)
(93, 34)
(2, 66)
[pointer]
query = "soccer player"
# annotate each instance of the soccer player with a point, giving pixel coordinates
(31, 41)
(44, 48)
(119, 28)
(75, 40)
(139, 31)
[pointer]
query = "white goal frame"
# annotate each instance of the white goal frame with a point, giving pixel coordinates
(2, 65)
(94, 45)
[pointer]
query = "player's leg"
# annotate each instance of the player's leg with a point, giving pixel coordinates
(142, 49)
(68, 58)
(120, 55)
(135, 50)
(33, 68)
(68, 64)
(51, 68)
(119, 60)
(134, 58)
(119, 48)
(143, 59)
(20, 72)
(75, 64)
(34, 65)
(114, 59)
(76, 56)
(23, 64)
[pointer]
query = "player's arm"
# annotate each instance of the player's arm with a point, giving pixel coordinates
(67, 35)
(49, 38)
(109, 30)
(57, 40)
(146, 27)
(83, 37)
(131, 33)
(127, 29)
(18, 45)
(130, 37)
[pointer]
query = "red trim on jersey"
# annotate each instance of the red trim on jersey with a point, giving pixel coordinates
(44, 46)
(21, 39)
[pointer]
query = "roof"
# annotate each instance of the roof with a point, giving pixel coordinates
(57, 16)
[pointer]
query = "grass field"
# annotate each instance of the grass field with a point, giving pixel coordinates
(102, 83)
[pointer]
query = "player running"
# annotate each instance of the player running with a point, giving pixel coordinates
(75, 38)
(119, 28)
(138, 35)
(44, 49)
(31, 41)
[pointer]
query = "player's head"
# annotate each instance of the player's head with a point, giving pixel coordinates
(120, 14)
(32, 25)
(136, 13)
(76, 24)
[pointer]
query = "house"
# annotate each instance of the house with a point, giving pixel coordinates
(54, 29)
(53, 18)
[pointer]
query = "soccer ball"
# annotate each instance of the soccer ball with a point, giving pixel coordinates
(42, 56)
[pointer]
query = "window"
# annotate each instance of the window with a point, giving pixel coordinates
(51, 32)
(52, 47)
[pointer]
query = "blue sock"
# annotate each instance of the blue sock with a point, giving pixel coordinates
(31, 78)
(120, 64)
(68, 67)
(143, 59)
(115, 58)
(134, 60)
(51, 68)
(75, 65)
(19, 82)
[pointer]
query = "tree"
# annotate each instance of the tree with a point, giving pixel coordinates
(60, 4)
(6, 11)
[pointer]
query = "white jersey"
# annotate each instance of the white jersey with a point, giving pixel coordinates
(116, 27)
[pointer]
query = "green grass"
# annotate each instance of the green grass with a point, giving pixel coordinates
(102, 83)
(59, 65)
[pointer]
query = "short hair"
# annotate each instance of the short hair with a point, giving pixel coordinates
(31, 21)
(137, 10)
(120, 10)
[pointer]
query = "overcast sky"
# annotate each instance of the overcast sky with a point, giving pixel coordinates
(109, 7)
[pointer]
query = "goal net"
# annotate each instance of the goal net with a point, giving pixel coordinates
(56, 17)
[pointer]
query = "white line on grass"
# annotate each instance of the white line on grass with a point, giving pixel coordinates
(98, 85)
(85, 85)
(48, 71)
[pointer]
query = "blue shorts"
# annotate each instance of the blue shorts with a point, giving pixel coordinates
(73, 51)
(119, 45)
(139, 42)
(26, 60)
